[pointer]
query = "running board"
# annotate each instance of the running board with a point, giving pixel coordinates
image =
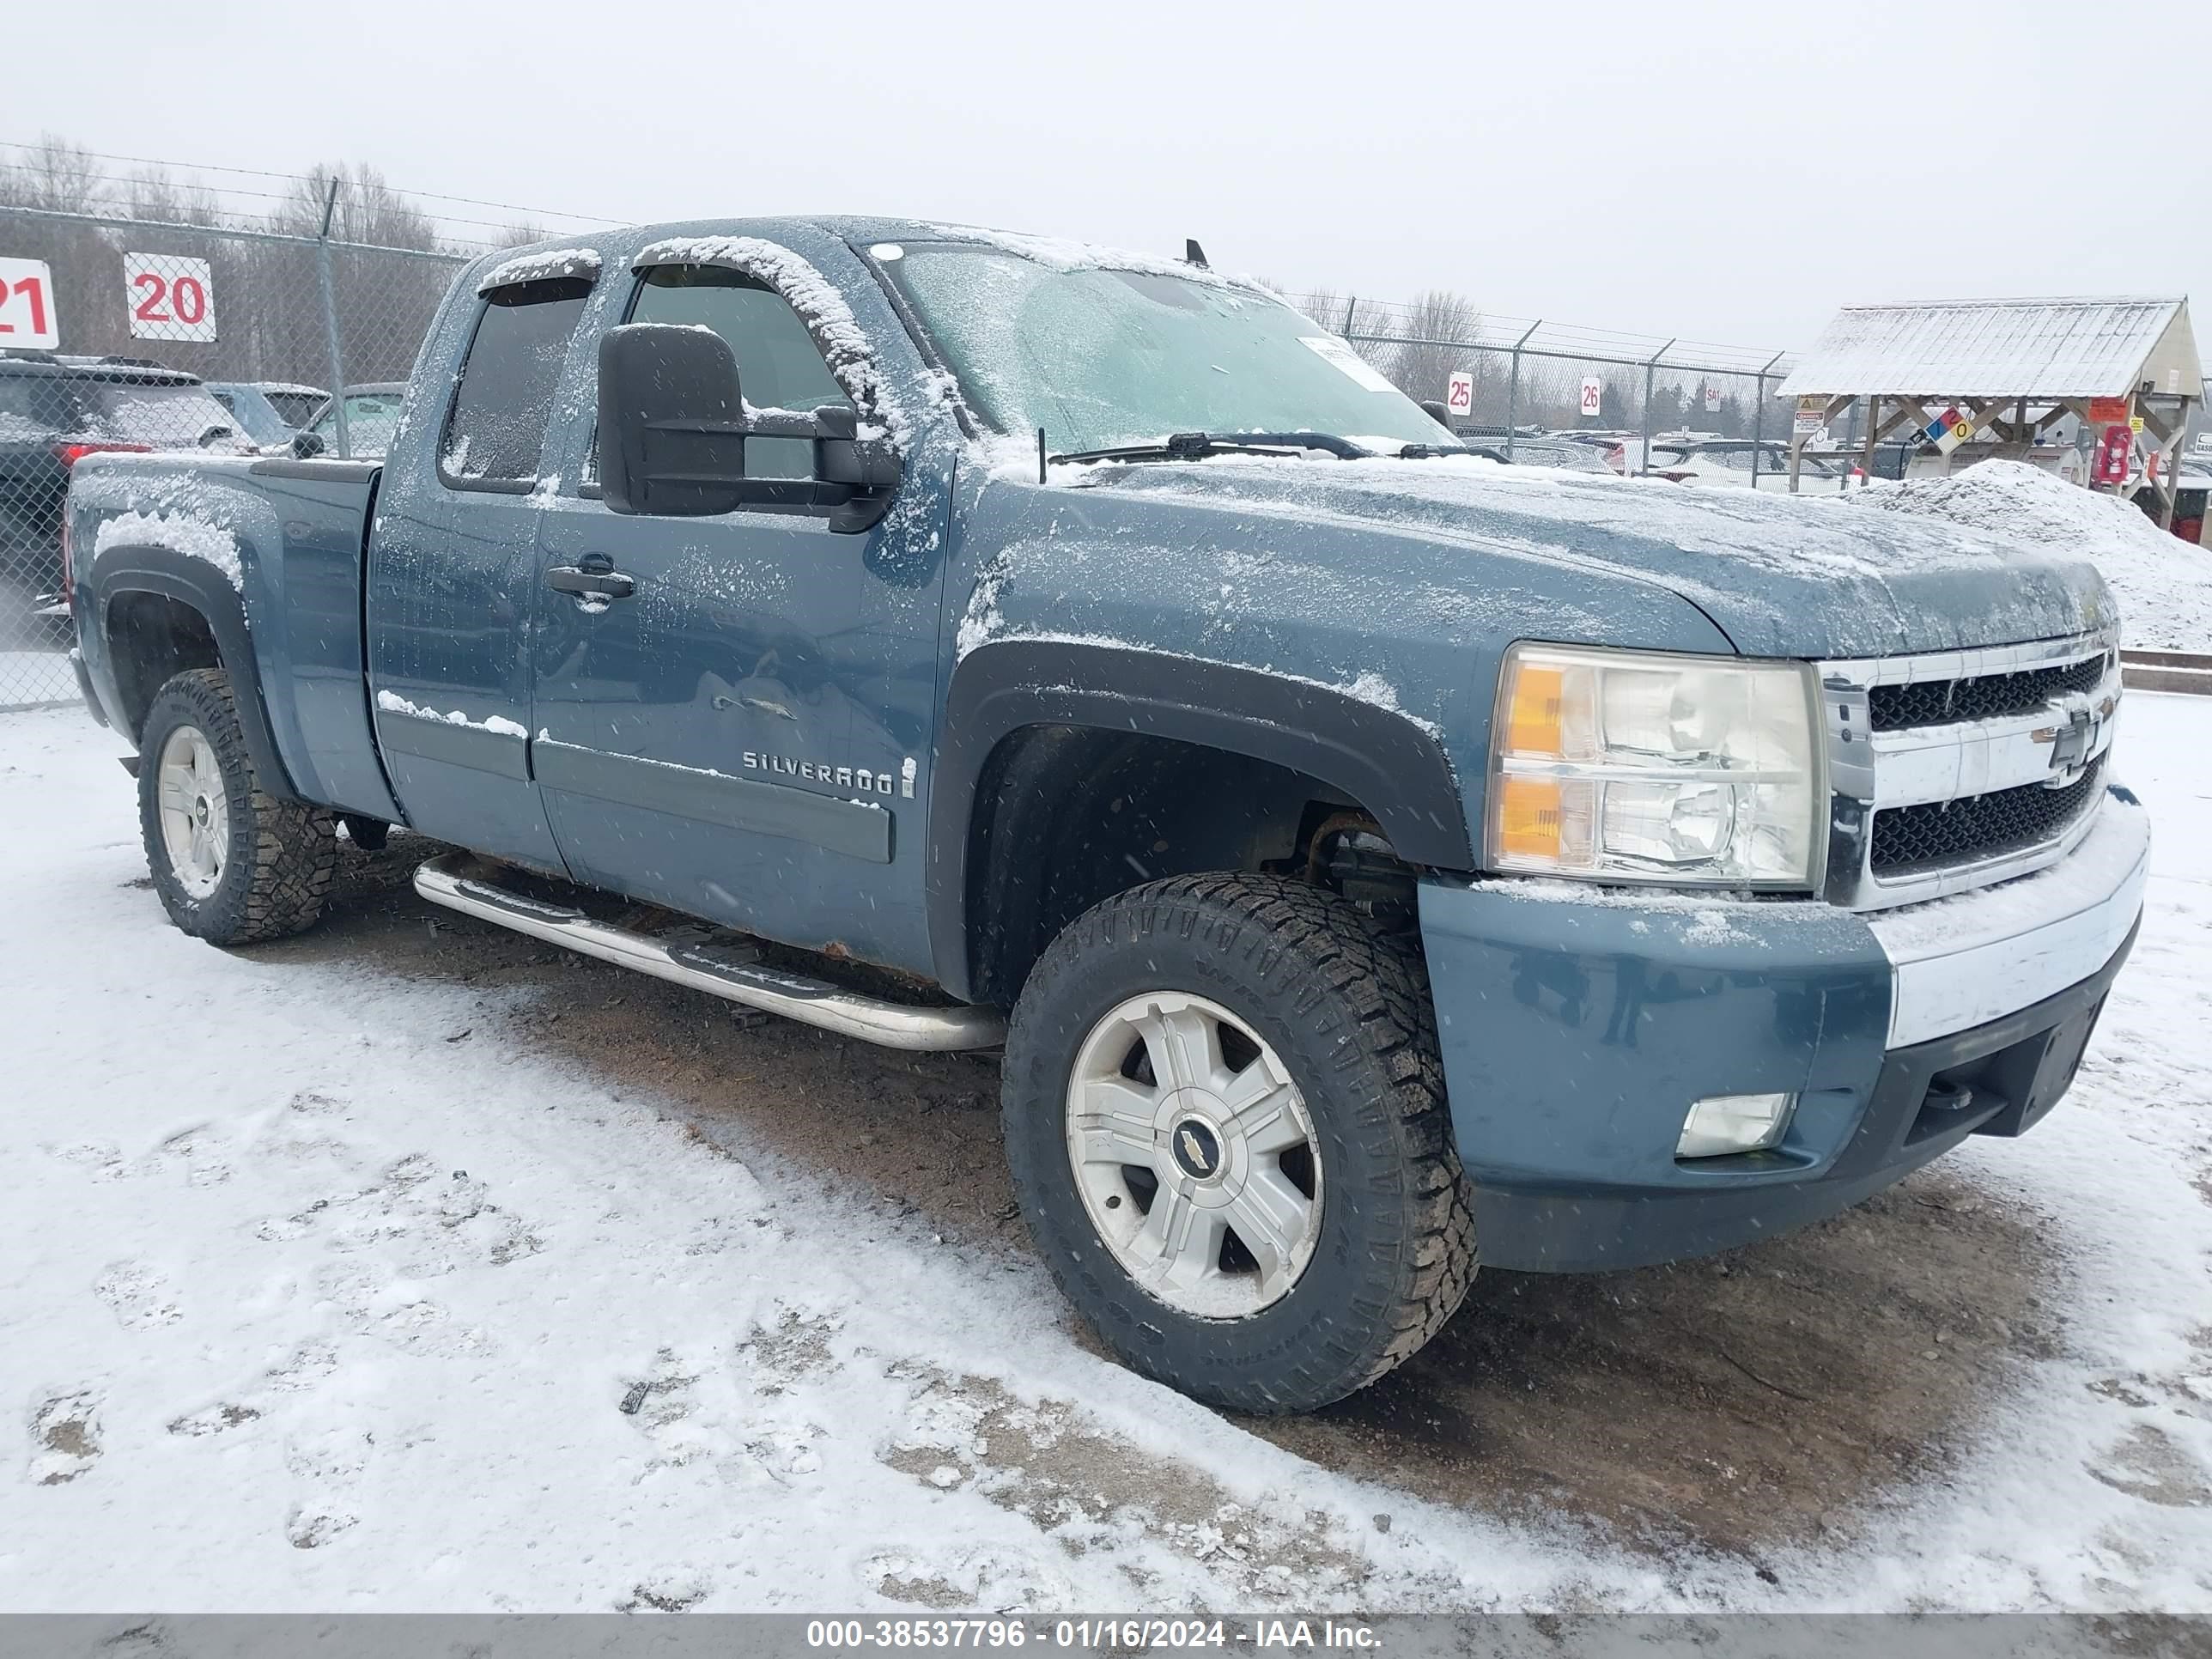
(729, 970)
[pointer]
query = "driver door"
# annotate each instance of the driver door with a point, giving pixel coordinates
(738, 735)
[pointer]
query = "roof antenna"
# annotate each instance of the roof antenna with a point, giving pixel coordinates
(1192, 254)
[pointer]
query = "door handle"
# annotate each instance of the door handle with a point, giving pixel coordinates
(594, 577)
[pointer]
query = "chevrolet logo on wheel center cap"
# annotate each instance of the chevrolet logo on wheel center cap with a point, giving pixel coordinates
(1196, 1149)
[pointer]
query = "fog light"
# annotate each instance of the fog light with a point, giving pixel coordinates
(1720, 1124)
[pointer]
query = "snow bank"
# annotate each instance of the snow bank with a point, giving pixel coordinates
(2164, 585)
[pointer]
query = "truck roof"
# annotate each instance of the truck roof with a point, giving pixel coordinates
(861, 230)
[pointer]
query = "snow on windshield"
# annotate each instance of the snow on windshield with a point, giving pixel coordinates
(1100, 355)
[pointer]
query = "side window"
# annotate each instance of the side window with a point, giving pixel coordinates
(496, 430)
(778, 367)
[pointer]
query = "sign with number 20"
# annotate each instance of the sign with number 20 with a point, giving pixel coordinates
(171, 297)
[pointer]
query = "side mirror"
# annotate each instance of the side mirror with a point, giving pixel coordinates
(1437, 412)
(672, 431)
(671, 423)
(306, 446)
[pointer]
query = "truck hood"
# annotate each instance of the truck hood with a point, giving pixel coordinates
(1781, 576)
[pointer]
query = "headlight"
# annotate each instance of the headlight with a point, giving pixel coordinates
(1642, 766)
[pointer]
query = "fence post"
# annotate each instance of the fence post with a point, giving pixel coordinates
(1758, 419)
(331, 323)
(1513, 387)
(1651, 370)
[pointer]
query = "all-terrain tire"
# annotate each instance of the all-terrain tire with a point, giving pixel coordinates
(1346, 1009)
(278, 852)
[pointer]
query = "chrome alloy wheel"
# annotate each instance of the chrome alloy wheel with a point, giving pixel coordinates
(195, 810)
(1194, 1154)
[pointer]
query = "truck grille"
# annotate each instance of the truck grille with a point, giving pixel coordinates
(1975, 827)
(1984, 696)
(1953, 769)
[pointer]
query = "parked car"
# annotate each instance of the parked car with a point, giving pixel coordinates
(372, 411)
(1729, 462)
(1559, 453)
(271, 412)
(1367, 867)
(55, 410)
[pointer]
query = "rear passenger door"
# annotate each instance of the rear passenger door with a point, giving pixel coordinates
(452, 564)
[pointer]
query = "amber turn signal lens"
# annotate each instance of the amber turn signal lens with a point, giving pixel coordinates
(1529, 816)
(1531, 721)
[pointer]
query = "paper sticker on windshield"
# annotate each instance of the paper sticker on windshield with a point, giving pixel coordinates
(1334, 351)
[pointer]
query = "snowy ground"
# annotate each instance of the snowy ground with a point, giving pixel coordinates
(323, 1286)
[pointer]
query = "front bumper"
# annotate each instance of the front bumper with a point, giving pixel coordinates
(1577, 1025)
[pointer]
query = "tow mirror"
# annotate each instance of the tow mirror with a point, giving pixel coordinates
(672, 431)
(671, 423)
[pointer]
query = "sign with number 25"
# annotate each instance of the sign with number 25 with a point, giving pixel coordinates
(171, 297)
(26, 306)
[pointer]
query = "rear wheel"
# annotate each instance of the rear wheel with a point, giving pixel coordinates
(232, 862)
(1225, 1116)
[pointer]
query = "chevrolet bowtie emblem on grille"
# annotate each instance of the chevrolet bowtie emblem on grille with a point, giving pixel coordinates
(2071, 744)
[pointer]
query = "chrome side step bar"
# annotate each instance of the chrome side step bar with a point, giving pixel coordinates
(727, 971)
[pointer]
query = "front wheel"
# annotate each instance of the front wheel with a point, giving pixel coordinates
(1225, 1113)
(233, 863)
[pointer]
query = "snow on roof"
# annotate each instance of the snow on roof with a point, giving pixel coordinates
(2084, 347)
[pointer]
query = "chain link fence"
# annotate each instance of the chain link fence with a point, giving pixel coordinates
(125, 333)
(1550, 394)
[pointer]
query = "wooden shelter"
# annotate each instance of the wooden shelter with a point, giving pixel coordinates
(1970, 372)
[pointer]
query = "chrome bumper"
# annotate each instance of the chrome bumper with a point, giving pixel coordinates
(1964, 961)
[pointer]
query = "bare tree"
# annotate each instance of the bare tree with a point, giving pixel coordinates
(54, 175)
(1434, 332)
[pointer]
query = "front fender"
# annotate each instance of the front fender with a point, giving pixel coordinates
(1384, 759)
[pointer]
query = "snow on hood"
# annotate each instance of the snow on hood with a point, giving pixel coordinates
(1781, 575)
(2162, 584)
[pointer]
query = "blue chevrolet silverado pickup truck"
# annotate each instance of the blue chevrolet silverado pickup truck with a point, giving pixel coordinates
(1371, 859)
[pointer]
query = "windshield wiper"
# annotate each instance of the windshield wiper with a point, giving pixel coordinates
(1190, 446)
(1193, 446)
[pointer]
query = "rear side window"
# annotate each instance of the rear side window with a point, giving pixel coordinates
(496, 431)
(36, 406)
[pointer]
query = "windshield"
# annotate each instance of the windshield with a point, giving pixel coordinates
(296, 407)
(1099, 357)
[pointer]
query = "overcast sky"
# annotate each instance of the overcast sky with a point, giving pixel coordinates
(1723, 173)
